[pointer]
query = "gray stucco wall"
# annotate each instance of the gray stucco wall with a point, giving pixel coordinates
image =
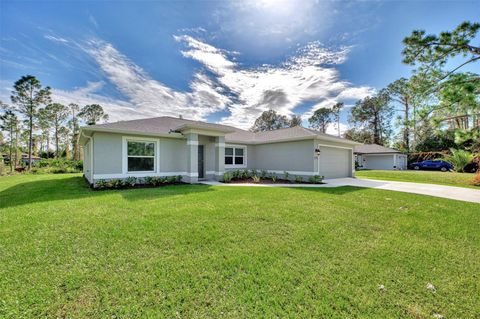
(107, 151)
(384, 162)
(108, 154)
(295, 156)
(87, 162)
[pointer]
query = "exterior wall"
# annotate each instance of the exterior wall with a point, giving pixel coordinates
(87, 162)
(382, 162)
(109, 157)
(336, 159)
(293, 157)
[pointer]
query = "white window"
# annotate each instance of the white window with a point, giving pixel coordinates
(140, 156)
(235, 156)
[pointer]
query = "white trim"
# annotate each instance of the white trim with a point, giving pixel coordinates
(190, 142)
(214, 173)
(334, 146)
(219, 144)
(110, 176)
(245, 157)
(156, 157)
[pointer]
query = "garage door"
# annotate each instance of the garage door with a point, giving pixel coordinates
(335, 162)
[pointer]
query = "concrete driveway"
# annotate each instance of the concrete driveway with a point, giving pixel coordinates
(450, 192)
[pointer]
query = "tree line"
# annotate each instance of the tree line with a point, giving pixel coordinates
(33, 122)
(437, 108)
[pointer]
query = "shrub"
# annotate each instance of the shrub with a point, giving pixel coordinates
(459, 159)
(148, 180)
(171, 179)
(286, 175)
(315, 179)
(476, 179)
(245, 174)
(131, 181)
(179, 178)
(58, 165)
(254, 172)
(256, 179)
(59, 170)
(236, 174)
(298, 179)
(227, 177)
(273, 177)
(101, 184)
(115, 183)
(263, 174)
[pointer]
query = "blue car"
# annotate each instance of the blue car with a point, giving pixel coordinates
(437, 165)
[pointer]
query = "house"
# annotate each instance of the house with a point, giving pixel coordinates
(373, 156)
(168, 146)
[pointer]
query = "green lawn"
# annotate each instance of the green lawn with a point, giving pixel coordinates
(429, 177)
(235, 252)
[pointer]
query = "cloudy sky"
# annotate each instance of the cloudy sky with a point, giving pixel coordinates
(220, 61)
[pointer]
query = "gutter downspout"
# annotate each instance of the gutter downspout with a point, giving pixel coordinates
(91, 152)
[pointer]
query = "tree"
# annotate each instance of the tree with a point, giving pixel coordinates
(359, 135)
(336, 109)
(296, 120)
(402, 92)
(9, 122)
(270, 120)
(432, 52)
(58, 114)
(28, 95)
(375, 114)
(44, 123)
(320, 119)
(74, 109)
(92, 114)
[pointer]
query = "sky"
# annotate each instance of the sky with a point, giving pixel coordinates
(219, 61)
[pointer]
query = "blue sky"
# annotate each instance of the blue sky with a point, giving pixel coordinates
(222, 61)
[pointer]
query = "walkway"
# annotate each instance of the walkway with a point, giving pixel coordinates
(450, 192)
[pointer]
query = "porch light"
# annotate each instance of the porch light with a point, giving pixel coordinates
(317, 151)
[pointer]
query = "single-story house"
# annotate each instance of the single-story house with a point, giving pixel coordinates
(168, 146)
(373, 156)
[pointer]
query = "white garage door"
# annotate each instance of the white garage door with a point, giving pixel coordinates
(335, 162)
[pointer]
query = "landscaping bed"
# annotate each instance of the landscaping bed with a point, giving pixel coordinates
(264, 177)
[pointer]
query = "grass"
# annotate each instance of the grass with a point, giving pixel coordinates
(429, 177)
(196, 251)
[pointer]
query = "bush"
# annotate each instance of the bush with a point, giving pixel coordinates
(286, 175)
(245, 174)
(256, 179)
(57, 166)
(236, 174)
(101, 184)
(459, 159)
(115, 183)
(254, 172)
(263, 174)
(315, 179)
(179, 178)
(171, 179)
(273, 177)
(476, 179)
(298, 179)
(227, 177)
(131, 181)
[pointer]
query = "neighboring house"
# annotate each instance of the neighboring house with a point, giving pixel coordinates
(373, 156)
(167, 146)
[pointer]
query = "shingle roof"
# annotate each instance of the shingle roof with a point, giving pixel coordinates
(374, 149)
(166, 125)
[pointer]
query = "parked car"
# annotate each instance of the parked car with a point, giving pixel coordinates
(471, 168)
(437, 165)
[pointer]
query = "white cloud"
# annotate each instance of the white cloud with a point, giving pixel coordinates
(222, 84)
(305, 77)
(333, 130)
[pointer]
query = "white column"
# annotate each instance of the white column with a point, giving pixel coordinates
(219, 157)
(192, 158)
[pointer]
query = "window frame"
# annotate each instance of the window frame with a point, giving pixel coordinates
(125, 156)
(244, 156)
